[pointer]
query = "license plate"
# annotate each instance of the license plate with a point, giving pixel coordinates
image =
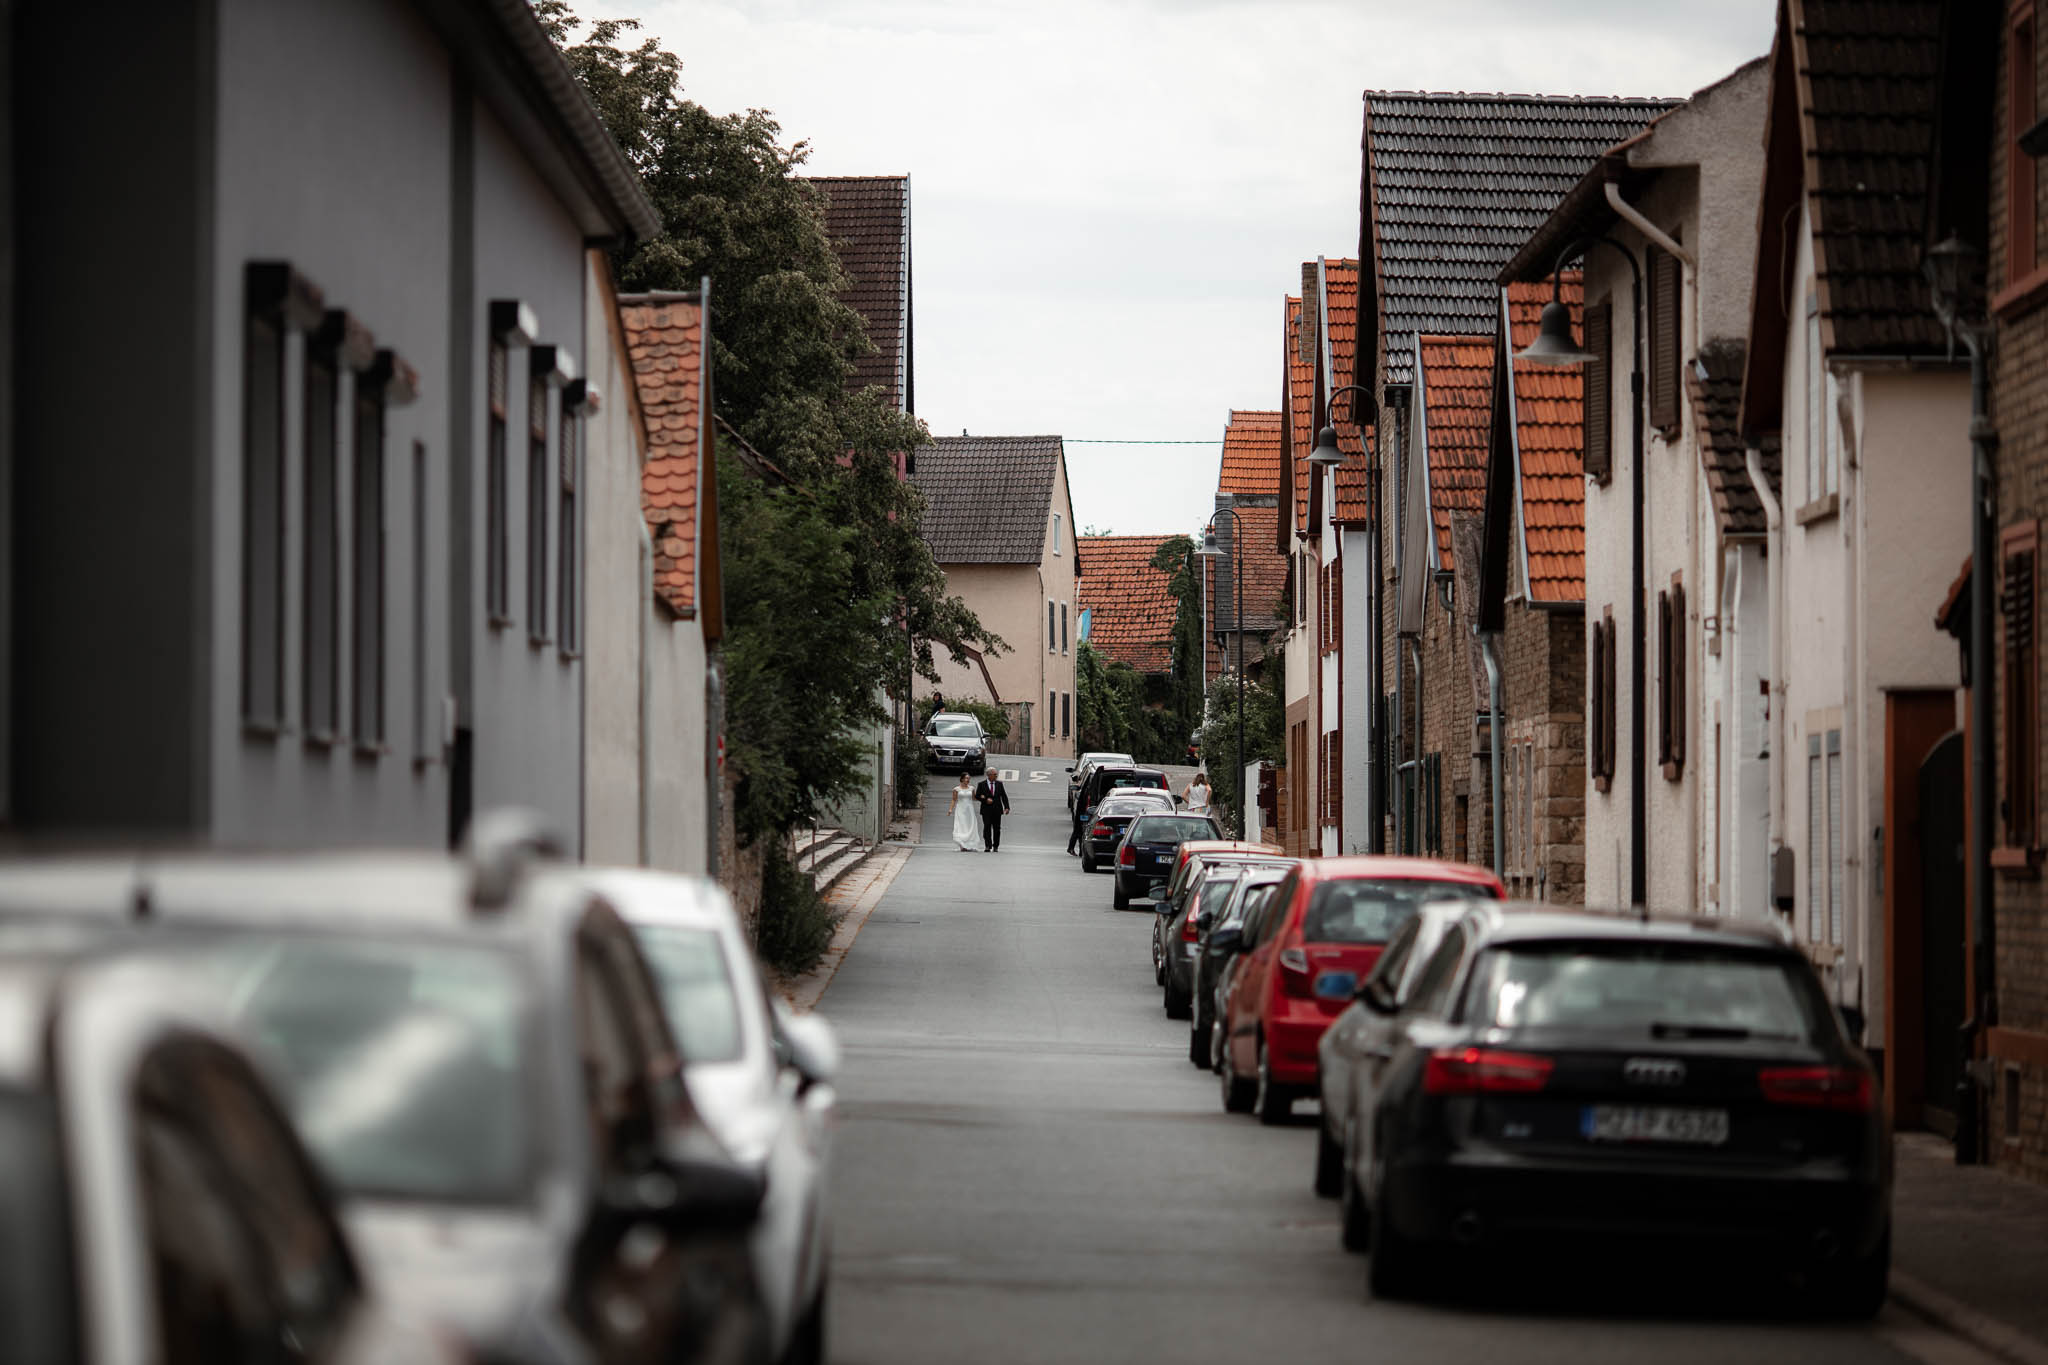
(1336, 985)
(1647, 1123)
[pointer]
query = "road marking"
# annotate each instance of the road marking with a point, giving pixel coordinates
(1038, 777)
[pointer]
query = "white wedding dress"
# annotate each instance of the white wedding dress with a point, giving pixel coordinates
(966, 819)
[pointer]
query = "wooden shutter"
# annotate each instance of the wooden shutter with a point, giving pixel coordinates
(1605, 662)
(1596, 724)
(1337, 783)
(2019, 553)
(1666, 306)
(1664, 678)
(1599, 426)
(1674, 684)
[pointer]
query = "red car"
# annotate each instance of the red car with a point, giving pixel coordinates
(1303, 960)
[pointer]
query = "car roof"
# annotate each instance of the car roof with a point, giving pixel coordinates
(1391, 868)
(644, 896)
(1535, 921)
(1205, 847)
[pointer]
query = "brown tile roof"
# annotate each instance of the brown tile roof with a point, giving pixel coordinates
(1251, 454)
(1457, 381)
(665, 341)
(1717, 410)
(1301, 413)
(988, 499)
(1265, 573)
(1340, 321)
(868, 217)
(1130, 615)
(1550, 411)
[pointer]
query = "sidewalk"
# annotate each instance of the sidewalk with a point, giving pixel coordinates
(854, 897)
(1970, 1250)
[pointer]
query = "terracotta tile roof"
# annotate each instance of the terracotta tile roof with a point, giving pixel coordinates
(1301, 413)
(1550, 438)
(1870, 93)
(1454, 184)
(1251, 454)
(1340, 323)
(1265, 573)
(1457, 382)
(868, 217)
(1717, 410)
(665, 341)
(1130, 614)
(988, 499)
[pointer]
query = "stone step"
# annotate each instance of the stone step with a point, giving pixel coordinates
(838, 863)
(810, 844)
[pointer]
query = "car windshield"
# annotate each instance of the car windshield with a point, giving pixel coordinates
(956, 727)
(1171, 828)
(1655, 990)
(405, 1063)
(1135, 780)
(696, 988)
(1369, 910)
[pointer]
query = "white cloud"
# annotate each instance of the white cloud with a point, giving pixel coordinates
(1111, 199)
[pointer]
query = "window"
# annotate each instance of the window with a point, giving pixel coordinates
(1063, 628)
(1600, 705)
(1667, 275)
(1824, 851)
(1055, 533)
(321, 583)
(538, 487)
(497, 511)
(1671, 713)
(1432, 993)
(425, 740)
(569, 537)
(1067, 714)
(1333, 776)
(2020, 251)
(1433, 805)
(1823, 433)
(2020, 690)
(1600, 392)
(367, 644)
(1052, 639)
(1052, 714)
(268, 287)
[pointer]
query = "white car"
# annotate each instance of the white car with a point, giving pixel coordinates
(760, 1077)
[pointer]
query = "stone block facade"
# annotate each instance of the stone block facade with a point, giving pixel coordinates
(1544, 663)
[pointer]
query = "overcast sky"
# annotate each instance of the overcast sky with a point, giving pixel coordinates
(1109, 200)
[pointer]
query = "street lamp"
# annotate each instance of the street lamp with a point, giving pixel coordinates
(1554, 345)
(1210, 551)
(1952, 274)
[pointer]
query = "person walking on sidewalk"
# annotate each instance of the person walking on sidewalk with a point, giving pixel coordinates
(964, 814)
(995, 804)
(1196, 794)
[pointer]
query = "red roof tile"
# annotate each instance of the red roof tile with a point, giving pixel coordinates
(1251, 454)
(1130, 613)
(665, 340)
(1457, 377)
(1550, 411)
(1340, 289)
(1301, 401)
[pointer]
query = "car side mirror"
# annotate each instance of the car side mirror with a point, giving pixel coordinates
(1853, 1022)
(1180, 800)
(1228, 940)
(813, 1048)
(681, 1193)
(1375, 996)
(1070, 770)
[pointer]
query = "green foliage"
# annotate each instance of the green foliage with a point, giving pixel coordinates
(796, 924)
(993, 718)
(1265, 730)
(1183, 567)
(912, 768)
(833, 598)
(1113, 713)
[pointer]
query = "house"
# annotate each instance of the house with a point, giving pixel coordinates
(1247, 483)
(1130, 613)
(1349, 555)
(1673, 808)
(1531, 607)
(1000, 522)
(1452, 186)
(344, 609)
(1303, 790)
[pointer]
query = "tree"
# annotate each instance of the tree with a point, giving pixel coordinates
(1176, 555)
(1265, 728)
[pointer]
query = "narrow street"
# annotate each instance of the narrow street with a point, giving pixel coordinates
(1029, 1170)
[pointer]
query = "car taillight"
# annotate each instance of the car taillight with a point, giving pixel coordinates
(1841, 1088)
(1190, 929)
(1294, 973)
(1127, 856)
(1100, 829)
(1483, 1071)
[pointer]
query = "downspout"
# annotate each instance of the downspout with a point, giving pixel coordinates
(1628, 214)
(646, 598)
(1970, 1090)
(1489, 650)
(1774, 562)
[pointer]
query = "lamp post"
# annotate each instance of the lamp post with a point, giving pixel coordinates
(1210, 551)
(1951, 267)
(1326, 455)
(1554, 345)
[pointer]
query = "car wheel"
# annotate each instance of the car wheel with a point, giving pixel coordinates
(1855, 1289)
(1396, 1270)
(807, 1343)
(1119, 897)
(1329, 1182)
(1198, 1044)
(1087, 862)
(1357, 1219)
(1179, 1004)
(1272, 1103)
(1158, 957)
(1237, 1094)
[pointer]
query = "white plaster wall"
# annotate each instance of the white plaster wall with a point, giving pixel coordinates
(1356, 709)
(1330, 667)
(679, 790)
(1608, 586)
(1745, 771)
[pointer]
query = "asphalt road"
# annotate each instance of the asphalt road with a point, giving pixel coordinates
(1029, 1170)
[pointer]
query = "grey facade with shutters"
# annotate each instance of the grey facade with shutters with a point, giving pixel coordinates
(251, 498)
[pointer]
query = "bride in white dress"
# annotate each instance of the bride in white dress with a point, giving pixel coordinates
(966, 819)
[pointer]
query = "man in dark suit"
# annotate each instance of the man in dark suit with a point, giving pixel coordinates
(995, 804)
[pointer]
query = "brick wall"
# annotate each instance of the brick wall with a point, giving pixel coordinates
(1453, 697)
(1544, 662)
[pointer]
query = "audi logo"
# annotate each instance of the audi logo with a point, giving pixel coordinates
(1653, 1071)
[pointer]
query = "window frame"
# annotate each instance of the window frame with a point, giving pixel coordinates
(569, 547)
(1598, 425)
(2025, 275)
(2019, 690)
(341, 348)
(539, 487)
(1665, 351)
(368, 607)
(278, 303)
(497, 480)
(1671, 679)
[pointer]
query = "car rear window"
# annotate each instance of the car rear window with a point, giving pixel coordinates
(696, 990)
(1174, 828)
(1373, 910)
(1656, 990)
(1215, 892)
(1136, 780)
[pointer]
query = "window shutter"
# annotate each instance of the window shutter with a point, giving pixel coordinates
(1664, 677)
(1599, 427)
(1677, 679)
(2021, 689)
(1607, 707)
(1337, 780)
(1666, 305)
(1596, 725)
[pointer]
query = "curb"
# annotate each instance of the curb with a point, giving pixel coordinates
(803, 993)
(1953, 1315)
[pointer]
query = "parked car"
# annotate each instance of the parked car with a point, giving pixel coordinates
(760, 1077)
(1108, 777)
(154, 1200)
(1572, 1080)
(1329, 921)
(1223, 945)
(1086, 764)
(955, 741)
(1195, 853)
(1171, 907)
(1149, 849)
(1205, 965)
(1347, 1054)
(1104, 828)
(1208, 893)
(475, 1051)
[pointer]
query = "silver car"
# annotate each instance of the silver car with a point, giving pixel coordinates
(759, 1075)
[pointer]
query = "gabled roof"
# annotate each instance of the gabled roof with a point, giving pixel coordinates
(1340, 350)
(1265, 573)
(1716, 409)
(1456, 374)
(665, 341)
(1251, 454)
(1130, 613)
(1299, 393)
(1548, 406)
(988, 499)
(1453, 185)
(868, 217)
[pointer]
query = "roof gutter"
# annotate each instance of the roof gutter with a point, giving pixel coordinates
(1628, 214)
